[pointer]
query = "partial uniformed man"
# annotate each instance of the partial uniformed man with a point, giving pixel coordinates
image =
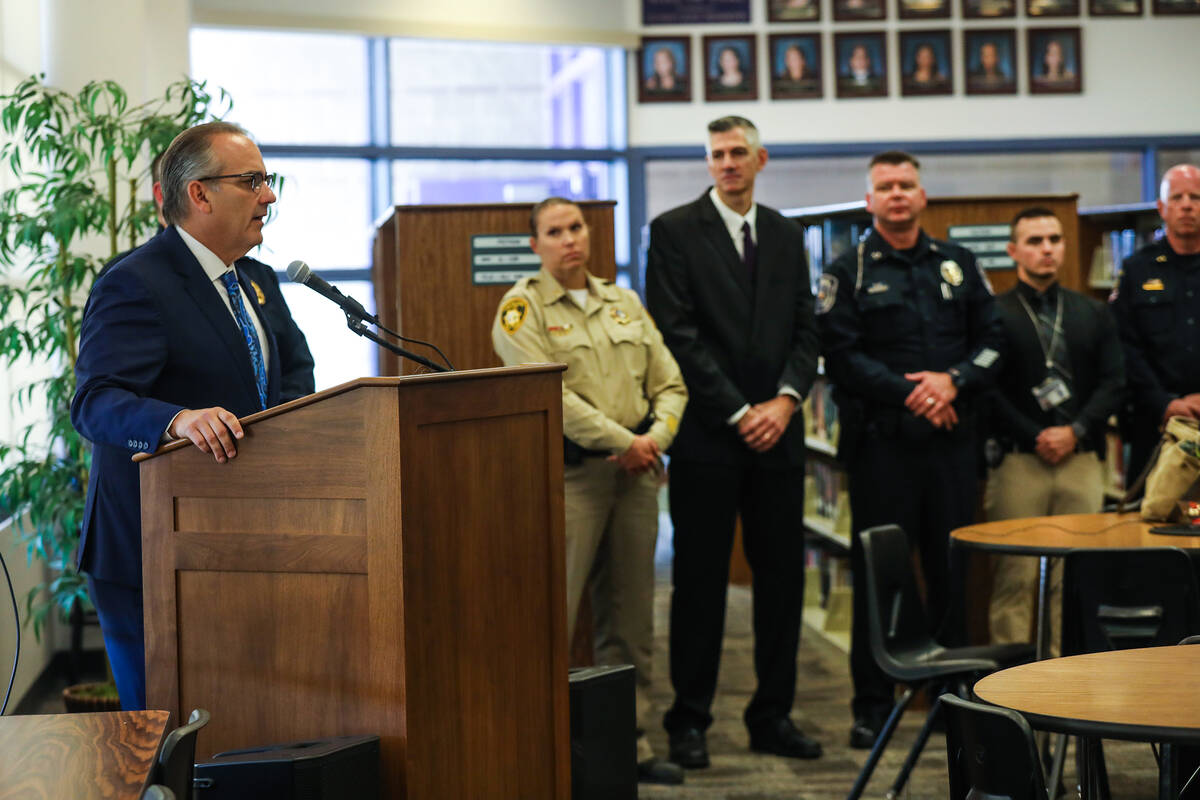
(1061, 377)
(1157, 305)
(910, 339)
(623, 397)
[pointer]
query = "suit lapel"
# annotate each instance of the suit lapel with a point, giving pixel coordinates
(719, 239)
(204, 294)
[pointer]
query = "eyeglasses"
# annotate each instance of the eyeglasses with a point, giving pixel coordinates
(255, 179)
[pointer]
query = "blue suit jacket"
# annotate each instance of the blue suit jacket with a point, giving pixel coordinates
(156, 338)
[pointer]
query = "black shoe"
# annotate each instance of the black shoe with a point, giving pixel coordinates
(688, 748)
(655, 770)
(782, 738)
(865, 732)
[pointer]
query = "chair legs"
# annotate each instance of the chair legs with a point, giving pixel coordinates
(881, 741)
(915, 752)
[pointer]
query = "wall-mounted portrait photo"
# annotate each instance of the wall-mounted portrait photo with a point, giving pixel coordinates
(988, 9)
(991, 61)
(795, 65)
(1055, 61)
(663, 70)
(850, 10)
(925, 63)
(861, 60)
(1052, 8)
(924, 9)
(793, 10)
(1176, 7)
(1115, 8)
(730, 68)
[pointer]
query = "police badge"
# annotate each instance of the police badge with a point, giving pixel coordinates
(951, 272)
(826, 292)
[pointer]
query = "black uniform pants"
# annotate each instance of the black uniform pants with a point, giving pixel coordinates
(928, 488)
(705, 501)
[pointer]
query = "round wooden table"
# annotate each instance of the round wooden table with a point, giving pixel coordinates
(1144, 695)
(1047, 536)
(1051, 536)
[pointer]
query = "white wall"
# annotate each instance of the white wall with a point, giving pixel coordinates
(592, 21)
(1139, 78)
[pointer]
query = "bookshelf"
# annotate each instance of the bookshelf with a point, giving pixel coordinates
(1110, 234)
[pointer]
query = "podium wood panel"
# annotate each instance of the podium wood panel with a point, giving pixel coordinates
(422, 275)
(382, 558)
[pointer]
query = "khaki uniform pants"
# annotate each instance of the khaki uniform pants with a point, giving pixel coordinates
(612, 527)
(1025, 486)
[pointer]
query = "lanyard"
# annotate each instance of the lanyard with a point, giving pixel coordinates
(1047, 350)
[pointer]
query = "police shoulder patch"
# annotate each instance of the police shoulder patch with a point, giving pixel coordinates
(513, 313)
(826, 293)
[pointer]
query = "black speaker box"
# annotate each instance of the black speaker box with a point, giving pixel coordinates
(340, 768)
(603, 733)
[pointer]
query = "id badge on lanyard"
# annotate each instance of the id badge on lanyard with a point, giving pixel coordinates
(1051, 393)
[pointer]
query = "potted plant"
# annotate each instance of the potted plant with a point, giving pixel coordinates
(78, 161)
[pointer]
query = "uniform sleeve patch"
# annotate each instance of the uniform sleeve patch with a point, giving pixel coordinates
(513, 313)
(826, 293)
(987, 356)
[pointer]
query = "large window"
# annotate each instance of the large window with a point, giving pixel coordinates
(355, 125)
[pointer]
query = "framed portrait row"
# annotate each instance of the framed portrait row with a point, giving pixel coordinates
(795, 64)
(854, 10)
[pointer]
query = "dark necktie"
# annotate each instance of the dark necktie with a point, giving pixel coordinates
(248, 333)
(749, 250)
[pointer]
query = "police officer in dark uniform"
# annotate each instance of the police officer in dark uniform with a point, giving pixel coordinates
(910, 340)
(1157, 306)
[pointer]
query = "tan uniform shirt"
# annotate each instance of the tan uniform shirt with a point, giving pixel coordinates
(618, 368)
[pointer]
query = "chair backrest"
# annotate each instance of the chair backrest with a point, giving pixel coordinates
(1116, 599)
(158, 792)
(990, 753)
(177, 759)
(897, 615)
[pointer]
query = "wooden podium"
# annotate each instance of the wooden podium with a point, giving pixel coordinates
(383, 557)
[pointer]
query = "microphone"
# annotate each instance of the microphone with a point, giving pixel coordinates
(299, 272)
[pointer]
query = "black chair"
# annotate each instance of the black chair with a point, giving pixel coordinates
(905, 649)
(990, 752)
(158, 792)
(1117, 599)
(177, 759)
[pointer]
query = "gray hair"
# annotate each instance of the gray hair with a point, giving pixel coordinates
(190, 157)
(724, 124)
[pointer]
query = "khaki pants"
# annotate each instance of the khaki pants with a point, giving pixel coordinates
(1025, 486)
(612, 527)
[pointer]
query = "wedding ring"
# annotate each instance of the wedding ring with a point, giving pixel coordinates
(929, 401)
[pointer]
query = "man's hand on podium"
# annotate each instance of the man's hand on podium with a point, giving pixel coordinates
(211, 429)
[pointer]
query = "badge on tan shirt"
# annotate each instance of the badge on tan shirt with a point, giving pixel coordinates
(951, 272)
(619, 315)
(513, 313)
(258, 292)
(1153, 285)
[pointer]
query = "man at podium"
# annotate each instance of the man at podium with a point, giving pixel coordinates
(172, 346)
(623, 396)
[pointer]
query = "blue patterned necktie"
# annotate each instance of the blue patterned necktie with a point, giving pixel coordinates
(244, 322)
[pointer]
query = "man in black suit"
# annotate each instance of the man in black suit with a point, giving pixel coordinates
(728, 285)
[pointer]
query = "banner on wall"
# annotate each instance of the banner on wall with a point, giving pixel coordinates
(680, 12)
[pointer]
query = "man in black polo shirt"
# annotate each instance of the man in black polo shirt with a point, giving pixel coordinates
(1157, 306)
(1061, 377)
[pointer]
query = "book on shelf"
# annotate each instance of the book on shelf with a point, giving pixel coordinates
(820, 415)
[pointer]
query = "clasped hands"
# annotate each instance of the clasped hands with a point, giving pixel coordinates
(762, 426)
(932, 398)
(641, 456)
